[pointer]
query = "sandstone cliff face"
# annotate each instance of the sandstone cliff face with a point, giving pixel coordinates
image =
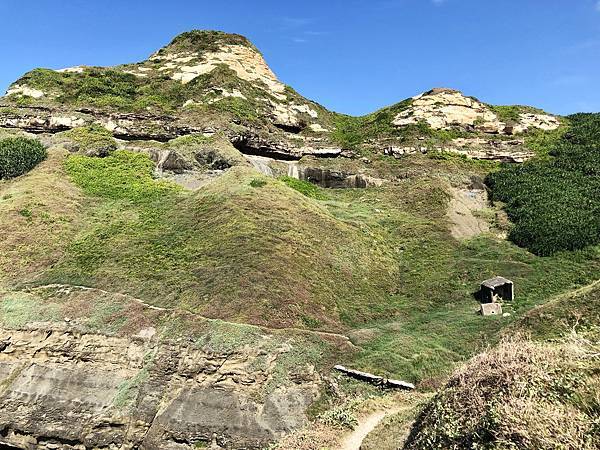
(443, 109)
(63, 388)
(201, 82)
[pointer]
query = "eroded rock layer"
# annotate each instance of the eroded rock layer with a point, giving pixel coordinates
(61, 388)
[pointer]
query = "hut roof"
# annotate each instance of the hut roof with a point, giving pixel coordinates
(493, 283)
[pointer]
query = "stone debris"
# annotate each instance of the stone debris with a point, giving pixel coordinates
(491, 309)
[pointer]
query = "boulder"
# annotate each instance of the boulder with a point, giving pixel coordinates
(491, 309)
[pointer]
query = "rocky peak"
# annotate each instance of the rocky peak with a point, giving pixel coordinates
(196, 53)
(443, 109)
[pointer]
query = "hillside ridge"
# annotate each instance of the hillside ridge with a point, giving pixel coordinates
(206, 81)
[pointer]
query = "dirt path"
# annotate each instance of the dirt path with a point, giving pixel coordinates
(355, 439)
(323, 334)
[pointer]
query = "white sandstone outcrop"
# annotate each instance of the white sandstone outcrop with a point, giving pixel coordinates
(25, 91)
(443, 109)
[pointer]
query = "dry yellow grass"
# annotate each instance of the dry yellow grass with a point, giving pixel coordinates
(521, 395)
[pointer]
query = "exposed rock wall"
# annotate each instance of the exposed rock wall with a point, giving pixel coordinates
(443, 109)
(60, 388)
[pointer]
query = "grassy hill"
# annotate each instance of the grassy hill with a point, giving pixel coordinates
(377, 264)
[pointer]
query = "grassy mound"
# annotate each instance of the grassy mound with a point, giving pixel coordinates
(520, 395)
(579, 311)
(378, 263)
(93, 140)
(40, 213)
(267, 255)
(554, 201)
(19, 155)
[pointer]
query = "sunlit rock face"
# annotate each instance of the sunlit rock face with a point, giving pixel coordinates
(443, 109)
(71, 390)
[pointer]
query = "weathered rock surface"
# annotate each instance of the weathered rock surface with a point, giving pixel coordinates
(206, 82)
(475, 148)
(443, 109)
(60, 388)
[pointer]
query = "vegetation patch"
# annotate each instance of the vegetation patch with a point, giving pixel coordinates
(39, 216)
(124, 175)
(304, 187)
(19, 155)
(202, 41)
(529, 395)
(510, 114)
(220, 249)
(553, 201)
(356, 132)
(128, 389)
(258, 183)
(574, 312)
(17, 310)
(343, 416)
(214, 152)
(93, 140)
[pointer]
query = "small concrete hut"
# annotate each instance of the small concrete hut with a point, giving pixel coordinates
(497, 289)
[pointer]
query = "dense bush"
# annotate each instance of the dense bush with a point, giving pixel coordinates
(19, 156)
(555, 202)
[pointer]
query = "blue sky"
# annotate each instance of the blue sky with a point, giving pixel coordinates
(351, 56)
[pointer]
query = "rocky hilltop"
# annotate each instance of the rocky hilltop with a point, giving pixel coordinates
(207, 82)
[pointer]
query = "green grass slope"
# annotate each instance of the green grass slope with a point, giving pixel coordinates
(378, 264)
(264, 255)
(577, 311)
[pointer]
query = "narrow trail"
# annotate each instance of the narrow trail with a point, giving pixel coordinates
(576, 292)
(355, 439)
(323, 334)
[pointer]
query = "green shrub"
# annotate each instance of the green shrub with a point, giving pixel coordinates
(19, 155)
(553, 202)
(93, 140)
(257, 183)
(122, 176)
(343, 416)
(304, 187)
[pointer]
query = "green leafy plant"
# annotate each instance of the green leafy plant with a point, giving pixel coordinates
(19, 155)
(257, 183)
(553, 202)
(304, 187)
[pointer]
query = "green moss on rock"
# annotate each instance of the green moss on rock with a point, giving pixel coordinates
(92, 140)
